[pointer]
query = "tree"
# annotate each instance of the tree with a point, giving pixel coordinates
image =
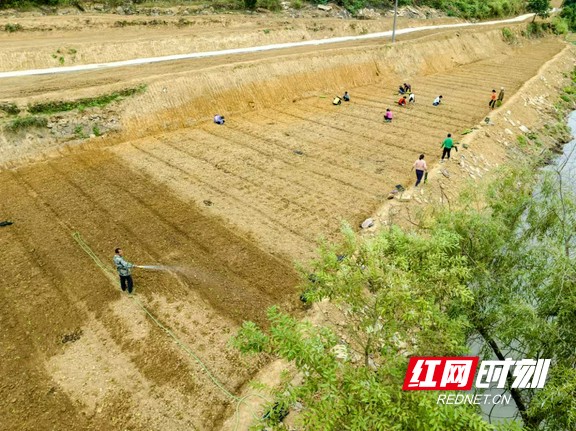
(504, 273)
(394, 295)
(524, 272)
(540, 8)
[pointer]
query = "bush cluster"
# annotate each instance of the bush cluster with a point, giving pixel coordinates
(468, 9)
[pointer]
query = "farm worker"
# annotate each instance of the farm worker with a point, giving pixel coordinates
(346, 97)
(337, 101)
(492, 100)
(420, 167)
(124, 270)
(388, 116)
(402, 101)
(219, 119)
(437, 101)
(501, 95)
(401, 90)
(447, 146)
(411, 98)
(407, 88)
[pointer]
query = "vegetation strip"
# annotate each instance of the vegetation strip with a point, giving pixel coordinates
(100, 101)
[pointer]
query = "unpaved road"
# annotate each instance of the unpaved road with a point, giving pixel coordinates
(235, 51)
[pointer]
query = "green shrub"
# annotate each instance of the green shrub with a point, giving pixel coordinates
(508, 35)
(297, 4)
(271, 5)
(569, 14)
(9, 108)
(559, 25)
(11, 28)
(522, 141)
(23, 123)
(535, 30)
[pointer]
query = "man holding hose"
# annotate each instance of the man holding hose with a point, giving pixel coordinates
(124, 271)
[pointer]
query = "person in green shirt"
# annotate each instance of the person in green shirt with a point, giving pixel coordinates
(447, 146)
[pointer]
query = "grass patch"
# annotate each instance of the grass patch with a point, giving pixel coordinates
(9, 108)
(23, 123)
(522, 141)
(81, 104)
(508, 36)
(12, 28)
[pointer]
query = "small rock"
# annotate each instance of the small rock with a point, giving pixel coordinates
(524, 128)
(324, 7)
(368, 223)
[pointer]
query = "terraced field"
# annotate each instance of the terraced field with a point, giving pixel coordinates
(227, 208)
(293, 172)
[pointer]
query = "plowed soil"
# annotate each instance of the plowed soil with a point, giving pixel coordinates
(227, 209)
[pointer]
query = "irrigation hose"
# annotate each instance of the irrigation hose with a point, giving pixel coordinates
(239, 400)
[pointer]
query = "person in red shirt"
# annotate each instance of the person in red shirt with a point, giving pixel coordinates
(492, 100)
(402, 101)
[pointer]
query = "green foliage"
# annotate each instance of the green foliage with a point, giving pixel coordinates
(502, 267)
(559, 25)
(297, 4)
(478, 9)
(100, 101)
(11, 28)
(540, 7)
(79, 131)
(569, 15)
(340, 395)
(469, 9)
(271, 5)
(23, 123)
(396, 295)
(508, 35)
(522, 141)
(9, 108)
(524, 276)
(536, 29)
(96, 130)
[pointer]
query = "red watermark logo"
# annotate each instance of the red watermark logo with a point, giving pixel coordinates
(440, 374)
(457, 373)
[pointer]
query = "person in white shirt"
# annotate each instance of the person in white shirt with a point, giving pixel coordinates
(421, 168)
(437, 101)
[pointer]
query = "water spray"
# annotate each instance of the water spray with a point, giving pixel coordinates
(154, 267)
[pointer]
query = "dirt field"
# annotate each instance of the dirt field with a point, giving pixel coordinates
(227, 208)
